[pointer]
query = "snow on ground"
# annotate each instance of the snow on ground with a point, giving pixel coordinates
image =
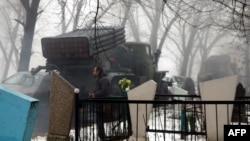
(43, 138)
(39, 138)
(151, 137)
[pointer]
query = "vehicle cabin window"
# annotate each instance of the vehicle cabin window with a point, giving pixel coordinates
(23, 79)
(148, 51)
(180, 81)
(167, 79)
(141, 51)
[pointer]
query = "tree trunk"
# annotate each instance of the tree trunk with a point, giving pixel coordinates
(29, 28)
(187, 52)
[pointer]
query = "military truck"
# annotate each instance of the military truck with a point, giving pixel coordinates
(75, 53)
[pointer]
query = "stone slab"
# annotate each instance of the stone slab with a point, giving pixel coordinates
(139, 113)
(218, 90)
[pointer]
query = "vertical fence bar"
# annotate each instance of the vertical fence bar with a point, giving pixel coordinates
(77, 114)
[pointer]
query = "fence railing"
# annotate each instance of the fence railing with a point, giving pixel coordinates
(180, 117)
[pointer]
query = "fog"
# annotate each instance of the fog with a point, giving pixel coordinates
(181, 32)
(186, 32)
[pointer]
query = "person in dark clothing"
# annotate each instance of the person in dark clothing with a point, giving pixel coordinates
(239, 109)
(240, 90)
(101, 90)
(102, 87)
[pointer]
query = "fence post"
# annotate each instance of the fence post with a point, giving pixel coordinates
(76, 114)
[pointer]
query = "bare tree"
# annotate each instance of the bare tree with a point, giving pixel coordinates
(240, 15)
(31, 9)
(73, 10)
(194, 22)
(127, 6)
(155, 14)
(239, 22)
(9, 48)
(207, 41)
(75, 14)
(134, 27)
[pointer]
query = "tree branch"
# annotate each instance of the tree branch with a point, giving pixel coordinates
(19, 22)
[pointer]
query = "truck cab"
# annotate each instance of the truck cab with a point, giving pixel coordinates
(135, 59)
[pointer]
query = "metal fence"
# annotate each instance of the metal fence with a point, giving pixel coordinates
(179, 117)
